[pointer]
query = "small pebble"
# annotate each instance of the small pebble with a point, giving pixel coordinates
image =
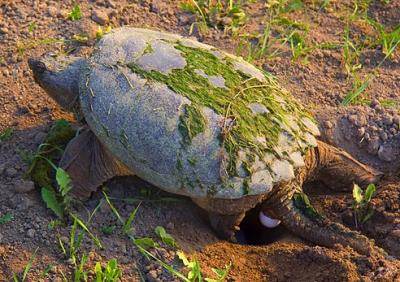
(100, 17)
(30, 233)
(24, 186)
(11, 172)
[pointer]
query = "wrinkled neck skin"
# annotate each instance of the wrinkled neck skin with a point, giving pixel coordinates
(59, 77)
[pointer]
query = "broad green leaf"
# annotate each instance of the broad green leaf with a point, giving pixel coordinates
(145, 243)
(369, 192)
(165, 237)
(181, 255)
(50, 199)
(63, 181)
(357, 194)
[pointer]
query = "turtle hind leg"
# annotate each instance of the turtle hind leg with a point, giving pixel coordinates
(338, 169)
(89, 164)
(289, 204)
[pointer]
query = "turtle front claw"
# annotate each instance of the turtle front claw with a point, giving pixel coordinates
(225, 226)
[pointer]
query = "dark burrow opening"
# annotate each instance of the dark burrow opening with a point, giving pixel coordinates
(252, 232)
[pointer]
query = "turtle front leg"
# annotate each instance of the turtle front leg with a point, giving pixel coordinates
(338, 169)
(289, 204)
(225, 215)
(89, 164)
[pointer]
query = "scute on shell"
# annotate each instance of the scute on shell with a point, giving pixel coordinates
(131, 103)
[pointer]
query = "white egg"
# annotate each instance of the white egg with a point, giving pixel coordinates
(267, 221)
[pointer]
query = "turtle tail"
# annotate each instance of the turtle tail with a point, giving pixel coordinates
(289, 204)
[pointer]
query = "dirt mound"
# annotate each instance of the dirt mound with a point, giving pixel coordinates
(294, 262)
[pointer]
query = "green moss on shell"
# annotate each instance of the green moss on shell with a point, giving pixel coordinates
(241, 126)
(191, 123)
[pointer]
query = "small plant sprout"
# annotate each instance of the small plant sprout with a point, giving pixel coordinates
(110, 273)
(100, 31)
(7, 217)
(362, 210)
(32, 27)
(6, 134)
(194, 273)
(75, 13)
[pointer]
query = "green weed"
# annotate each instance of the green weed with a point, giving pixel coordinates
(79, 271)
(211, 13)
(6, 134)
(32, 27)
(194, 274)
(7, 217)
(28, 268)
(108, 230)
(387, 39)
(110, 273)
(75, 13)
(362, 211)
(29, 44)
(143, 244)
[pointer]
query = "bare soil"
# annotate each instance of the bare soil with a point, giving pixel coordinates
(272, 255)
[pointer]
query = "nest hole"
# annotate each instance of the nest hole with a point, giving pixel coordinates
(252, 232)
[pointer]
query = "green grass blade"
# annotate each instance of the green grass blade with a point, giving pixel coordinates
(29, 265)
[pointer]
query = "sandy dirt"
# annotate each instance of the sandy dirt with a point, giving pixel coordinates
(368, 131)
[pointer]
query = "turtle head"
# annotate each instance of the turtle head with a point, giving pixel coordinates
(59, 77)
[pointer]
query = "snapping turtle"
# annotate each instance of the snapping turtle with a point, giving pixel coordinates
(196, 121)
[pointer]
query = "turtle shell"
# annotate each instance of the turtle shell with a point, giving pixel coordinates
(192, 119)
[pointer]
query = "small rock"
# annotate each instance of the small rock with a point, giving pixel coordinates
(388, 120)
(24, 186)
(52, 11)
(39, 137)
(226, 21)
(386, 153)
(30, 233)
(2, 168)
(100, 17)
(374, 102)
(111, 4)
(11, 172)
(384, 136)
(158, 6)
(373, 146)
(64, 239)
(152, 276)
(4, 30)
(170, 225)
(361, 132)
(395, 233)
(396, 119)
(328, 124)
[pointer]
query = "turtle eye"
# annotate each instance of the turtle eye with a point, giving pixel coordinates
(37, 66)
